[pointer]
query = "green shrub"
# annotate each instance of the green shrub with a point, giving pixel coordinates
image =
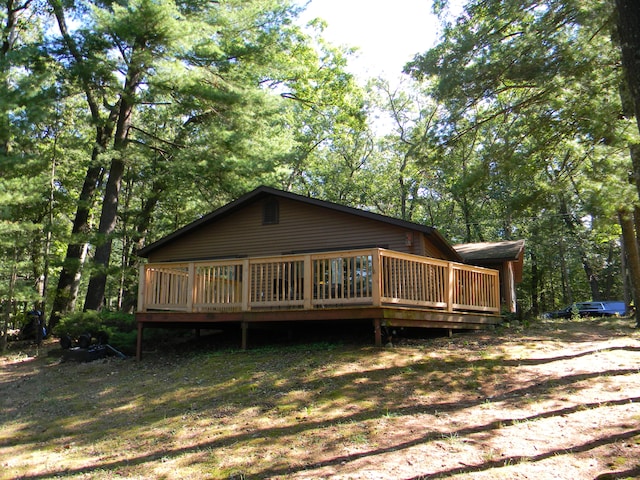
(119, 321)
(75, 324)
(120, 327)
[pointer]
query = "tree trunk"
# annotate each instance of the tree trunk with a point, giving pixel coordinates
(629, 35)
(567, 291)
(109, 215)
(68, 282)
(535, 307)
(9, 303)
(628, 19)
(108, 219)
(633, 257)
(572, 227)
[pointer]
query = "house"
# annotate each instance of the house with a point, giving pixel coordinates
(274, 256)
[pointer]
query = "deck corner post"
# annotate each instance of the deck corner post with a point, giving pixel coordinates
(245, 332)
(376, 283)
(142, 285)
(307, 285)
(191, 286)
(246, 285)
(139, 341)
(377, 329)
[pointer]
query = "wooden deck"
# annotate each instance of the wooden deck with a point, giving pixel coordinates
(383, 286)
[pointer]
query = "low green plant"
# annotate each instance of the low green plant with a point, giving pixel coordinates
(120, 328)
(77, 323)
(575, 313)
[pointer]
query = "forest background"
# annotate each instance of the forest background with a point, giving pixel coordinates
(121, 121)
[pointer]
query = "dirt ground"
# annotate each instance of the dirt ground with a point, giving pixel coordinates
(558, 399)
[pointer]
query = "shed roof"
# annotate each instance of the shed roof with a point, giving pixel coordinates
(491, 251)
(263, 191)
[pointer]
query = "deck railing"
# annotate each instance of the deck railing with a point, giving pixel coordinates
(373, 277)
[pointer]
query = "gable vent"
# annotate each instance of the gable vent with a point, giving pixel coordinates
(270, 212)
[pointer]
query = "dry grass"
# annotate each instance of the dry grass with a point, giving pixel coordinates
(557, 400)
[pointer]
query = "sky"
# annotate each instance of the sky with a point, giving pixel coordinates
(388, 33)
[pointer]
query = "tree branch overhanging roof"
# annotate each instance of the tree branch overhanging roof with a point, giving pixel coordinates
(263, 192)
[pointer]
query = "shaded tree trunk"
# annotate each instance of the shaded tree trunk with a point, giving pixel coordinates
(535, 307)
(628, 20)
(567, 292)
(592, 278)
(629, 34)
(69, 279)
(633, 257)
(95, 297)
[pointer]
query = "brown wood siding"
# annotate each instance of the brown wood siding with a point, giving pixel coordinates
(301, 227)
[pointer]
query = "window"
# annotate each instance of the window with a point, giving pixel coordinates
(270, 212)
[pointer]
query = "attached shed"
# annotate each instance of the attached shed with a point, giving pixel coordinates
(507, 257)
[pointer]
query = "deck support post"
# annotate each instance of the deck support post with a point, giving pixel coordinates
(377, 329)
(142, 285)
(450, 332)
(139, 342)
(245, 331)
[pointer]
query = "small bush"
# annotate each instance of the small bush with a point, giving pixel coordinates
(120, 321)
(75, 324)
(120, 327)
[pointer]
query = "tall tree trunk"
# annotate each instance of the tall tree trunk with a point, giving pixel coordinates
(629, 34)
(572, 227)
(626, 278)
(48, 235)
(108, 219)
(633, 257)
(109, 215)
(68, 282)
(9, 303)
(567, 291)
(628, 20)
(535, 277)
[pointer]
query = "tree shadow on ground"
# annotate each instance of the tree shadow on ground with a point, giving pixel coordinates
(148, 402)
(584, 447)
(283, 432)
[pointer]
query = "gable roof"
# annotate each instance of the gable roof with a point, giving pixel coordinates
(263, 192)
(491, 251)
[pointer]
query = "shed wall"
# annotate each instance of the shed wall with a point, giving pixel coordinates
(300, 228)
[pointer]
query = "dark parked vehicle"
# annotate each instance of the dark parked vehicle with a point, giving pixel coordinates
(605, 308)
